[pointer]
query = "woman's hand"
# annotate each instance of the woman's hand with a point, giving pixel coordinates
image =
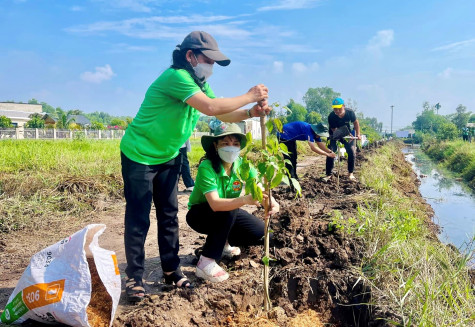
(274, 207)
(250, 201)
(258, 93)
(260, 109)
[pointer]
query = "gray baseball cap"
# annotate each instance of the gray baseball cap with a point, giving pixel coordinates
(207, 45)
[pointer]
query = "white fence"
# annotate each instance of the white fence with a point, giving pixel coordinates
(58, 134)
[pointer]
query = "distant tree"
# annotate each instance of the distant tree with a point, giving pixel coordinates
(461, 117)
(118, 122)
(313, 118)
(351, 104)
(47, 108)
(202, 126)
(97, 125)
(5, 122)
(36, 121)
(63, 121)
(33, 101)
(472, 119)
(297, 113)
(447, 131)
(428, 121)
(99, 116)
(320, 100)
(75, 112)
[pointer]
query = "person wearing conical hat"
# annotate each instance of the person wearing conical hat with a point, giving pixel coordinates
(302, 131)
(216, 201)
(150, 151)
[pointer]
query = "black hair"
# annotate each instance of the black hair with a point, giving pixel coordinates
(180, 62)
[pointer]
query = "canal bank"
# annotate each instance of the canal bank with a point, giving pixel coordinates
(425, 281)
(453, 202)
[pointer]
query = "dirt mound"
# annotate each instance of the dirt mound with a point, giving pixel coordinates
(312, 271)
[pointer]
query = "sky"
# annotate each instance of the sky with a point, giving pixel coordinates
(102, 55)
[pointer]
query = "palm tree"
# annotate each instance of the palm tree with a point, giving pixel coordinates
(63, 121)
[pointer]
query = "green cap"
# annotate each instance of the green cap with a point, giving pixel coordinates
(221, 131)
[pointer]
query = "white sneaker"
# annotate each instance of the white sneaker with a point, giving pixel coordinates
(231, 251)
(189, 189)
(210, 271)
(352, 177)
(327, 178)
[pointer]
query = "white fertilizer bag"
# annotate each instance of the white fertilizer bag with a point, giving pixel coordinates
(73, 282)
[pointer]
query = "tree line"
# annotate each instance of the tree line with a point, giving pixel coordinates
(442, 127)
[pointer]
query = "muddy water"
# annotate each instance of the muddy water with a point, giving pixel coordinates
(454, 205)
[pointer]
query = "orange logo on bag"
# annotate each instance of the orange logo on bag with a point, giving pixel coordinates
(237, 186)
(116, 266)
(42, 294)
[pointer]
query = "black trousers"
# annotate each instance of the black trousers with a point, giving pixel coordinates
(350, 149)
(185, 169)
(142, 184)
(292, 147)
(237, 226)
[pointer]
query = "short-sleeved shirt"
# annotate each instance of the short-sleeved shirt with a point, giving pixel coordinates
(335, 122)
(298, 131)
(207, 180)
(164, 121)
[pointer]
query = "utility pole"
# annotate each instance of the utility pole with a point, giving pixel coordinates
(392, 120)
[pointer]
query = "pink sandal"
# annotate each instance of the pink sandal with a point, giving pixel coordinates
(211, 272)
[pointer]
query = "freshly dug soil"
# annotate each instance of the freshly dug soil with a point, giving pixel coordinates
(312, 279)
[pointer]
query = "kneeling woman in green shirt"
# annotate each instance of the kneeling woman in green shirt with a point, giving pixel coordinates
(214, 205)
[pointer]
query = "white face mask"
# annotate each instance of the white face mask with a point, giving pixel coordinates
(203, 71)
(229, 153)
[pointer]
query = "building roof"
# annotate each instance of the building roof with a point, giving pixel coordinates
(80, 119)
(14, 114)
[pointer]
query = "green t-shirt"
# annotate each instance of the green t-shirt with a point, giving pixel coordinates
(164, 121)
(207, 180)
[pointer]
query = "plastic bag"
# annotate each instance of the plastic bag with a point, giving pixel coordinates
(57, 286)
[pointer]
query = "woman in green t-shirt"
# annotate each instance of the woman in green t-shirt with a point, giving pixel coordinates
(150, 148)
(216, 201)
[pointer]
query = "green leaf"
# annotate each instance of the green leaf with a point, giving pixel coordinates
(284, 148)
(285, 179)
(277, 180)
(270, 125)
(270, 172)
(262, 168)
(265, 260)
(296, 185)
(249, 137)
(278, 124)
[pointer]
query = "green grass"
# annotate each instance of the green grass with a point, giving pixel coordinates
(457, 156)
(425, 282)
(42, 181)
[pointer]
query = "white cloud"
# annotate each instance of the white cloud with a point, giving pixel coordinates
(155, 27)
(76, 8)
(449, 72)
(290, 4)
(134, 5)
(101, 74)
(456, 46)
(278, 67)
(300, 68)
(382, 39)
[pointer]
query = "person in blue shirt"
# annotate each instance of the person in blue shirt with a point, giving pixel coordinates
(302, 131)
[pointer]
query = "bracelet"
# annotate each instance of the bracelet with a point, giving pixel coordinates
(249, 113)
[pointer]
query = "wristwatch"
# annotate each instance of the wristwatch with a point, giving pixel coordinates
(249, 113)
